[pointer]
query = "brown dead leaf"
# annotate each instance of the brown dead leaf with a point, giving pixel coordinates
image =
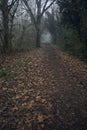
(24, 104)
(43, 100)
(31, 103)
(18, 96)
(15, 108)
(38, 98)
(49, 105)
(40, 118)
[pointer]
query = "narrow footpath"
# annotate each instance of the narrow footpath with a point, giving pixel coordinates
(45, 89)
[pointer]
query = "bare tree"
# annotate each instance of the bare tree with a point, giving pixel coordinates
(12, 16)
(6, 7)
(41, 7)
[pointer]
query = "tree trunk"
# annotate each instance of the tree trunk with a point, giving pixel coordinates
(38, 36)
(6, 36)
(38, 24)
(6, 32)
(11, 35)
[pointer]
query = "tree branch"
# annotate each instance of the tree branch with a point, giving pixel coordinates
(45, 4)
(30, 11)
(46, 8)
(12, 4)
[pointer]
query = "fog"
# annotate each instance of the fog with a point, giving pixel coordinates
(46, 37)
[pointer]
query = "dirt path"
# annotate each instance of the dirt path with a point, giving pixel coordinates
(43, 90)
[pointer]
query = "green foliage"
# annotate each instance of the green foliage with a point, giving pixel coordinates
(3, 73)
(6, 73)
(68, 25)
(71, 43)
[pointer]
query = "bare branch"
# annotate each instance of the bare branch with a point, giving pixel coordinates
(45, 4)
(12, 4)
(46, 8)
(15, 9)
(30, 11)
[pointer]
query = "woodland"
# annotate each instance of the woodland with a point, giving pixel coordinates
(23, 22)
(43, 64)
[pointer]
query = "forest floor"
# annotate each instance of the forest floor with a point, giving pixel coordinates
(45, 89)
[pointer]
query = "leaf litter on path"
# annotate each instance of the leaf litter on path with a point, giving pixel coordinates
(44, 90)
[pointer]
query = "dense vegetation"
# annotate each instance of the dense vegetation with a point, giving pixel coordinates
(68, 26)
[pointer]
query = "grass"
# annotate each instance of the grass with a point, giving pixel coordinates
(3, 73)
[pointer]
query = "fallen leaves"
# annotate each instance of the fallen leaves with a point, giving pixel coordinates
(43, 100)
(31, 104)
(38, 98)
(42, 90)
(40, 118)
(15, 108)
(28, 105)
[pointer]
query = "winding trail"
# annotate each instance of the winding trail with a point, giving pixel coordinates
(47, 91)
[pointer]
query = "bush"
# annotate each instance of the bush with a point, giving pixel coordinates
(70, 42)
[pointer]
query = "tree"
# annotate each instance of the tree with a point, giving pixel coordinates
(73, 15)
(41, 7)
(12, 13)
(51, 24)
(6, 7)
